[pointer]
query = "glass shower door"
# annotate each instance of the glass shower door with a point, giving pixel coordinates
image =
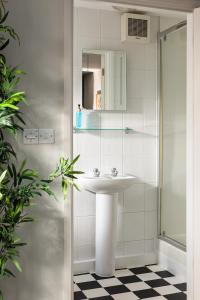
(173, 136)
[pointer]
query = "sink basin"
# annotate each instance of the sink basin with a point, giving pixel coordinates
(106, 189)
(105, 184)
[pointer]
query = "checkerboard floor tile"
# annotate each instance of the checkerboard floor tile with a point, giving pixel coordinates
(148, 282)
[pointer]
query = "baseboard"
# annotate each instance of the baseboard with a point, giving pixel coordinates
(86, 266)
(172, 259)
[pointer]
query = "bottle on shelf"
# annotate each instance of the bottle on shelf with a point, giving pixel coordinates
(79, 117)
(98, 100)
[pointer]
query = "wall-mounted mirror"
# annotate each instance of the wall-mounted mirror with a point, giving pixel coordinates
(104, 80)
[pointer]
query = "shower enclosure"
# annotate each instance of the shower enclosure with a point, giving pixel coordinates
(172, 173)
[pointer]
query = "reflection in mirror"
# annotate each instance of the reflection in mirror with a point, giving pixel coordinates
(103, 80)
(91, 80)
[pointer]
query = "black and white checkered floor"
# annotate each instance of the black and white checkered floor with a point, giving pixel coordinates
(149, 282)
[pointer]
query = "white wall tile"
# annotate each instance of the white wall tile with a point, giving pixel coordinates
(85, 230)
(150, 246)
(150, 116)
(86, 252)
(86, 140)
(110, 25)
(75, 253)
(150, 197)
(134, 165)
(134, 248)
(135, 56)
(133, 226)
(134, 121)
(150, 224)
(135, 105)
(134, 198)
(133, 144)
(136, 83)
(111, 161)
(89, 22)
(111, 143)
(150, 145)
(150, 174)
(111, 120)
(84, 203)
(149, 84)
(75, 145)
(120, 202)
(119, 229)
(87, 164)
(133, 153)
(154, 29)
(111, 44)
(119, 249)
(150, 54)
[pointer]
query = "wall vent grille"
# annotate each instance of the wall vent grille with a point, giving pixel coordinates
(135, 28)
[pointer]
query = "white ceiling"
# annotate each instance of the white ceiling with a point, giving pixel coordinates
(111, 6)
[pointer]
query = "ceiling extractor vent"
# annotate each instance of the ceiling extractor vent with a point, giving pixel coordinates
(135, 27)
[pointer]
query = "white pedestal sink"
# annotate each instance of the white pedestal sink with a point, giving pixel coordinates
(106, 189)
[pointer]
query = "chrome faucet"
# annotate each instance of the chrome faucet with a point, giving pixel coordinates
(96, 172)
(114, 172)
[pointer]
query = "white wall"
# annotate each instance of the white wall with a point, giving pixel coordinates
(40, 26)
(133, 153)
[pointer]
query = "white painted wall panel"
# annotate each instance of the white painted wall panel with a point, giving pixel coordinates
(40, 25)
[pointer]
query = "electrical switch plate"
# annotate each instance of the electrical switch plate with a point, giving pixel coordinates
(46, 136)
(30, 136)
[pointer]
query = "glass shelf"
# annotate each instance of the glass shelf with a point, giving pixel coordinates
(126, 129)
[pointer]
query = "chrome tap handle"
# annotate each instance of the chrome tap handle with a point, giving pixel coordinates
(96, 172)
(114, 172)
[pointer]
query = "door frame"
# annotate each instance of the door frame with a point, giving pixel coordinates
(67, 136)
(193, 148)
(193, 155)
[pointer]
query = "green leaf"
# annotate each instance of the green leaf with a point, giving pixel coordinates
(9, 273)
(70, 176)
(16, 264)
(26, 220)
(4, 45)
(14, 174)
(76, 187)
(64, 187)
(17, 94)
(10, 171)
(3, 176)
(3, 19)
(22, 166)
(9, 106)
(46, 180)
(76, 172)
(74, 161)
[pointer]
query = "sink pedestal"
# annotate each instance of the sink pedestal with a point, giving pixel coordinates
(106, 189)
(106, 222)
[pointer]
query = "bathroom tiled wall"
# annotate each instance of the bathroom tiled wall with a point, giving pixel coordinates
(134, 153)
